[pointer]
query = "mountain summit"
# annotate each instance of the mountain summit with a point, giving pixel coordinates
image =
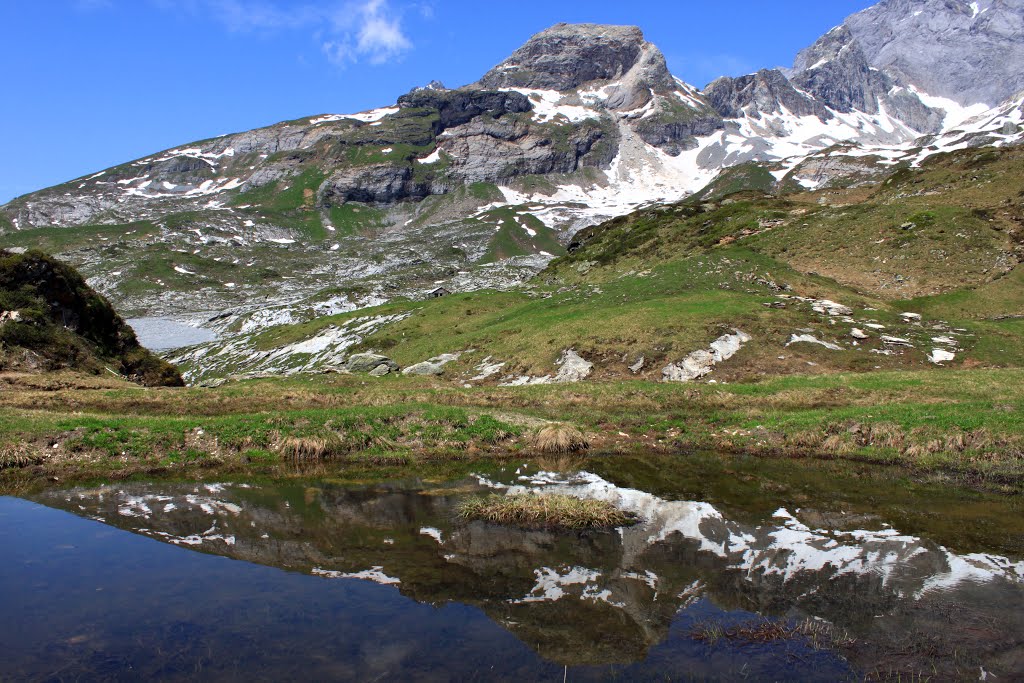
(567, 56)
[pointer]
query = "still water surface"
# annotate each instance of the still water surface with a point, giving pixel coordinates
(165, 334)
(330, 579)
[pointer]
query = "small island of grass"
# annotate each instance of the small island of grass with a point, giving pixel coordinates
(545, 511)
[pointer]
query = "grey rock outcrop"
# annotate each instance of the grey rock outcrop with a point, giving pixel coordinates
(376, 184)
(634, 72)
(426, 368)
(434, 366)
(701, 362)
(836, 71)
(381, 370)
(566, 56)
(369, 363)
(488, 150)
(765, 92)
(574, 368)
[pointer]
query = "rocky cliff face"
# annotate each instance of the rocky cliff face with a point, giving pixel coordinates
(968, 52)
(568, 56)
(836, 71)
(767, 92)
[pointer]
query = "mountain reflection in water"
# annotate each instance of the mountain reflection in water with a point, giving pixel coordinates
(599, 597)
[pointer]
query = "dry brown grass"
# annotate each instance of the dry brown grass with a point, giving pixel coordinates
(804, 439)
(19, 455)
(956, 442)
(558, 439)
(915, 451)
(818, 634)
(838, 444)
(544, 511)
(307, 448)
(887, 435)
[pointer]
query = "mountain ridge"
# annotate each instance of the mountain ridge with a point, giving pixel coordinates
(482, 185)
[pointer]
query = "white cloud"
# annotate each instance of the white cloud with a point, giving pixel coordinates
(380, 35)
(367, 29)
(348, 31)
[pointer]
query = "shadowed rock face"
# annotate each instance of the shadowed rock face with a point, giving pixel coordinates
(766, 91)
(456, 107)
(836, 71)
(592, 597)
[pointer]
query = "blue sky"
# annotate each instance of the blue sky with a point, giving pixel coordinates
(88, 84)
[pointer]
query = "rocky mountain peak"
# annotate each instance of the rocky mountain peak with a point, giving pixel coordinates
(566, 56)
(768, 91)
(837, 71)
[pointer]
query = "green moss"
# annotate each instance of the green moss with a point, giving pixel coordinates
(63, 239)
(281, 196)
(485, 192)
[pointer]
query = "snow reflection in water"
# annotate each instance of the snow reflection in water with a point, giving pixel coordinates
(601, 598)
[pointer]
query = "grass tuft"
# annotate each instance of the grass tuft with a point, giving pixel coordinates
(544, 511)
(558, 439)
(306, 448)
(16, 456)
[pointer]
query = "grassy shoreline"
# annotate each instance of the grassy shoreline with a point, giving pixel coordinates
(964, 428)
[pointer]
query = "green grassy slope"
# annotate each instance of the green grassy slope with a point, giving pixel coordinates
(942, 241)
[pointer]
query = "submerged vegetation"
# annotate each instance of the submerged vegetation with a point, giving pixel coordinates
(544, 511)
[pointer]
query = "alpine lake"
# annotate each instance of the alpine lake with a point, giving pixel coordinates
(735, 569)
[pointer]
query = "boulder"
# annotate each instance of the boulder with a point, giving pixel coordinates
(574, 368)
(424, 368)
(368, 362)
(432, 366)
